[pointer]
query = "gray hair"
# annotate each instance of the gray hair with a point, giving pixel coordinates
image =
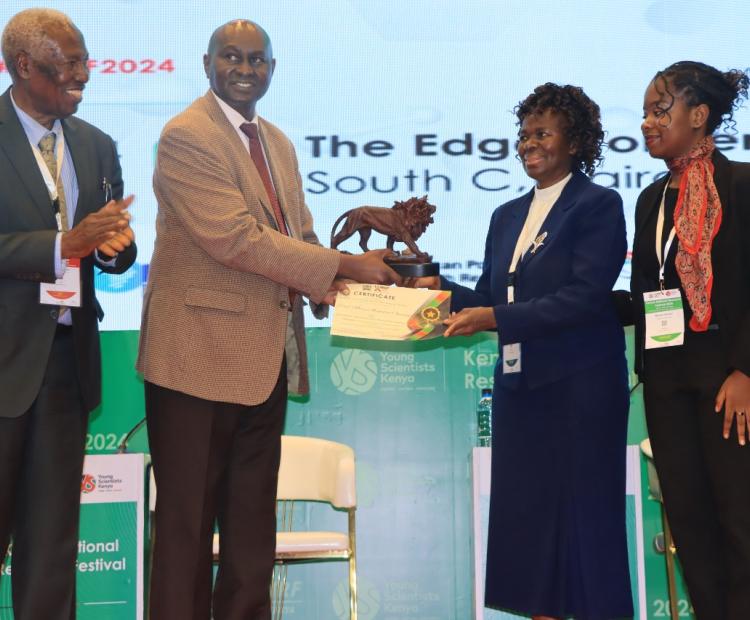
(28, 31)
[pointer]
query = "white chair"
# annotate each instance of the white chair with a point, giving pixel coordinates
(313, 470)
(670, 550)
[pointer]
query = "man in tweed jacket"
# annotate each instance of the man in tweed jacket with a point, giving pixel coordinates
(224, 289)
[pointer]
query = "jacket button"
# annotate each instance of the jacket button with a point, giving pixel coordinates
(53, 314)
(284, 305)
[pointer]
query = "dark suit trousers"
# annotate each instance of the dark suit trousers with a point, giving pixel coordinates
(705, 478)
(214, 462)
(41, 459)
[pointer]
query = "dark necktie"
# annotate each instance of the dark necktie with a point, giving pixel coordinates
(256, 154)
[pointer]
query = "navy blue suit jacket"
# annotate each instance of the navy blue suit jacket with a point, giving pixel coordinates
(563, 314)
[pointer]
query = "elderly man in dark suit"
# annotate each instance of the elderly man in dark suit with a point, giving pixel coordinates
(61, 215)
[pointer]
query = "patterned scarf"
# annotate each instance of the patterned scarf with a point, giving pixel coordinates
(697, 217)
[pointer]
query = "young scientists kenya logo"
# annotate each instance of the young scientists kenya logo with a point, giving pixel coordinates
(354, 372)
(368, 600)
(88, 483)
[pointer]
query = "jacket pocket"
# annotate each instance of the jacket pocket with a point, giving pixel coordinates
(219, 300)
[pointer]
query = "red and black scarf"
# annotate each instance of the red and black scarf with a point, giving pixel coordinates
(697, 217)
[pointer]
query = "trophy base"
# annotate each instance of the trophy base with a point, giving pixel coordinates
(412, 269)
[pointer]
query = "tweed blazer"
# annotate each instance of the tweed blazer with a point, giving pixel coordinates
(215, 311)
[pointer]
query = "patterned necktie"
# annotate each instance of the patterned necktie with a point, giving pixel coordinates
(256, 154)
(47, 148)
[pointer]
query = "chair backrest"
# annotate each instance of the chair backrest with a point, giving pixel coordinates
(317, 470)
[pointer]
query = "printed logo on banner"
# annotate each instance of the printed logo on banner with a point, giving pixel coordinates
(102, 484)
(88, 483)
(354, 372)
(368, 600)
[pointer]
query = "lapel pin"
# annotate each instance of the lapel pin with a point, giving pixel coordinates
(538, 242)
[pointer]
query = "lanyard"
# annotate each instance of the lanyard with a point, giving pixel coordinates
(539, 210)
(533, 221)
(511, 286)
(662, 258)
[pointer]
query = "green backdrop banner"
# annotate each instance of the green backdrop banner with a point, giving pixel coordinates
(408, 410)
(111, 542)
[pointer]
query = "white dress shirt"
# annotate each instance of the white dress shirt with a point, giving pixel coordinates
(542, 203)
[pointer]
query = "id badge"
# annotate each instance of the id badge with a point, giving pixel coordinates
(665, 319)
(511, 358)
(67, 290)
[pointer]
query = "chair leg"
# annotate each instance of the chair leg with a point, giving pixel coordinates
(669, 553)
(352, 565)
(152, 539)
(280, 570)
(275, 584)
(352, 588)
(278, 590)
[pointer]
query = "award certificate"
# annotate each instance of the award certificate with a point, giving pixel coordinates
(390, 313)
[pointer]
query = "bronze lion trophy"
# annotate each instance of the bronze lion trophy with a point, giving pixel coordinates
(405, 222)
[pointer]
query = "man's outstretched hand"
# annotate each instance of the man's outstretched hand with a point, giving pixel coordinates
(368, 268)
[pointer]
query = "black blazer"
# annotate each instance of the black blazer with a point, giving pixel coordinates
(27, 238)
(730, 257)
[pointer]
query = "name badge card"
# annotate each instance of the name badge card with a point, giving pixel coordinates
(66, 291)
(665, 318)
(511, 358)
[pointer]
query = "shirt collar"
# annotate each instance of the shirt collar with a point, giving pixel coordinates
(35, 131)
(233, 116)
(553, 191)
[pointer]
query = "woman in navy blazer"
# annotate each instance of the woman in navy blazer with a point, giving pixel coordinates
(557, 540)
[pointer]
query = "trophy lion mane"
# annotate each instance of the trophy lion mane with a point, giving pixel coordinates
(405, 221)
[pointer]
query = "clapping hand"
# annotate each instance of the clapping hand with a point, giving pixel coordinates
(122, 238)
(111, 223)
